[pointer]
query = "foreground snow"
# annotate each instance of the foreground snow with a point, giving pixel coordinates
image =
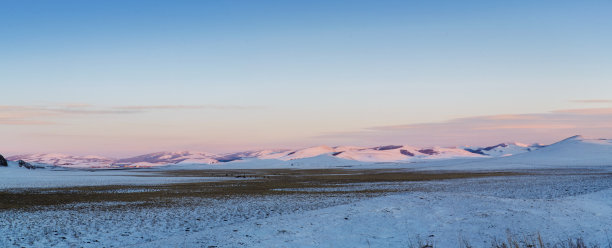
(446, 218)
(446, 213)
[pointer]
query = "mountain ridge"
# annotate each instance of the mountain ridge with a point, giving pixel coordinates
(387, 153)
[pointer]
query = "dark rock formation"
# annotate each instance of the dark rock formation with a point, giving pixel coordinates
(407, 153)
(477, 151)
(384, 148)
(228, 158)
(27, 165)
(3, 161)
(428, 151)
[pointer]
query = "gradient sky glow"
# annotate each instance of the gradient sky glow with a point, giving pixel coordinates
(121, 78)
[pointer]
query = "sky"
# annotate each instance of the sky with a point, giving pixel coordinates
(121, 78)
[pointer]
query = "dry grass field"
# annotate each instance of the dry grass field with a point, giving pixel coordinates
(255, 182)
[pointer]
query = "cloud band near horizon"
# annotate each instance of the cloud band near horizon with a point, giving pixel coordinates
(133, 129)
(484, 130)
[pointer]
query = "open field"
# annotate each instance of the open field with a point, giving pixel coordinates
(255, 183)
(321, 208)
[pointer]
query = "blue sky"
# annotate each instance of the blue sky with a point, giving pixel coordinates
(122, 77)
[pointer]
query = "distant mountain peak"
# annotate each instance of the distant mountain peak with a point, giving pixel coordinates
(575, 137)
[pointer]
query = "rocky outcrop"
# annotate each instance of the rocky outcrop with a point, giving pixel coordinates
(27, 165)
(406, 152)
(429, 151)
(3, 161)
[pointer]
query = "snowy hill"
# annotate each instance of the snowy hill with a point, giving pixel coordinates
(322, 154)
(164, 158)
(316, 162)
(308, 152)
(405, 153)
(378, 154)
(59, 159)
(575, 150)
(191, 157)
(321, 161)
(504, 149)
(261, 154)
(390, 153)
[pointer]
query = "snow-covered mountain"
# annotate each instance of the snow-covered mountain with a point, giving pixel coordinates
(574, 148)
(573, 151)
(396, 153)
(65, 160)
(504, 149)
(308, 152)
(378, 154)
(390, 153)
(261, 154)
(163, 158)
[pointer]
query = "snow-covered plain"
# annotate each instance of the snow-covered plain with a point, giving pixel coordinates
(561, 191)
(478, 212)
(445, 213)
(13, 177)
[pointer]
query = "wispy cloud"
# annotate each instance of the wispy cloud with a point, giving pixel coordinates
(7, 121)
(178, 107)
(592, 101)
(76, 105)
(589, 111)
(513, 117)
(43, 115)
(23, 115)
(47, 115)
(528, 126)
(486, 129)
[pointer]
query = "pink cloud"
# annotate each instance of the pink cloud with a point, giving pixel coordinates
(157, 107)
(23, 122)
(589, 111)
(513, 117)
(38, 115)
(484, 130)
(528, 126)
(593, 101)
